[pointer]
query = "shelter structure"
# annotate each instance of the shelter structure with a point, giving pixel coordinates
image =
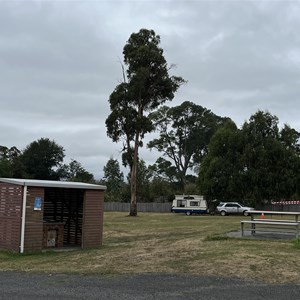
(41, 214)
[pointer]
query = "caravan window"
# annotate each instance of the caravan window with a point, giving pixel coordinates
(181, 203)
(194, 203)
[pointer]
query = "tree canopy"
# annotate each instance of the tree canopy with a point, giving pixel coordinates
(74, 171)
(42, 158)
(184, 134)
(114, 181)
(10, 162)
(256, 163)
(222, 174)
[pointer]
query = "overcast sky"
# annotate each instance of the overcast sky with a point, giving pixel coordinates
(59, 62)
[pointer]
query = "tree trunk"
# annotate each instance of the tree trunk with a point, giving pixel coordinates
(133, 180)
(183, 182)
(133, 203)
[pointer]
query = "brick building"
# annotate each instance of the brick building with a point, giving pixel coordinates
(41, 214)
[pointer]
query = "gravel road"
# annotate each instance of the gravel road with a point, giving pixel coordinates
(14, 285)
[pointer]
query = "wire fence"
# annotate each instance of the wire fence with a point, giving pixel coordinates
(166, 207)
(282, 207)
(141, 207)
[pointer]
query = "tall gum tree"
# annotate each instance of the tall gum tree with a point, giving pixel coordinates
(146, 85)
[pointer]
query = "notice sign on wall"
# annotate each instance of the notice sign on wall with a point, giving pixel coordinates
(38, 203)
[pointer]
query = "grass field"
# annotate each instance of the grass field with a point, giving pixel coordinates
(171, 243)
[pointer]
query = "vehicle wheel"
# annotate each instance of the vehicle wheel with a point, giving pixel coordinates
(222, 213)
(245, 213)
(188, 213)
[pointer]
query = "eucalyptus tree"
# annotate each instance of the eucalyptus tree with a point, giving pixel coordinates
(272, 157)
(222, 173)
(184, 134)
(10, 162)
(143, 182)
(146, 85)
(114, 181)
(256, 163)
(289, 137)
(74, 171)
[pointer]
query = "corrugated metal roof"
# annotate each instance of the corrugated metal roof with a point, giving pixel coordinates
(52, 183)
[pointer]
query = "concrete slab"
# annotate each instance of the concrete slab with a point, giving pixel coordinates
(262, 235)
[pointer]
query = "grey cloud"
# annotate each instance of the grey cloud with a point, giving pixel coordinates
(59, 62)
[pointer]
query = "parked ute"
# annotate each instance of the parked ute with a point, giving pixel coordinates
(225, 208)
(191, 204)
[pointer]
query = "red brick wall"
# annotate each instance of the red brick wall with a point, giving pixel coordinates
(10, 216)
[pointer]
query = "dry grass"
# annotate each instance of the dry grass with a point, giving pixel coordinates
(170, 243)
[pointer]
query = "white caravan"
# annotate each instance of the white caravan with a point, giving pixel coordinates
(189, 204)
